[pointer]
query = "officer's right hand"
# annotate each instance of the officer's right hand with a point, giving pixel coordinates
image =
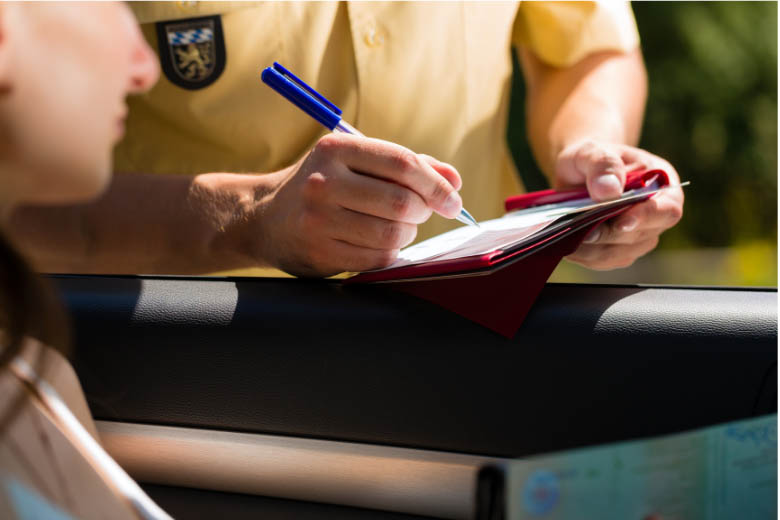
(351, 204)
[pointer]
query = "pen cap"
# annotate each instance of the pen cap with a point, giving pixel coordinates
(300, 97)
(298, 81)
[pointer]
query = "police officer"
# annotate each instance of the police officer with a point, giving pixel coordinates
(219, 172)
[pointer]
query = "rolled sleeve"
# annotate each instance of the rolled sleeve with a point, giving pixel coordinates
(562, 33)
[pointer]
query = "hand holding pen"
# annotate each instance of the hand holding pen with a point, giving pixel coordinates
(329, 115)
(350, 204)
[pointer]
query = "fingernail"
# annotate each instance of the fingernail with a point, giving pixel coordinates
(629, 224)
(607, 186)
(592, 236)
(452, 204)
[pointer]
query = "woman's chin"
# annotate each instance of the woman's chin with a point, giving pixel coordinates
(91, 189)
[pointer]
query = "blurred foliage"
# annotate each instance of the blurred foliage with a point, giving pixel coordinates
(750, 263)
(712, 112)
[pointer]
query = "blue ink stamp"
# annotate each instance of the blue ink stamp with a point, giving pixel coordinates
(541, 492)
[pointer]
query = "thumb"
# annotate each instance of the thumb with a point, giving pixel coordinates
(606, 185)
(595, 165)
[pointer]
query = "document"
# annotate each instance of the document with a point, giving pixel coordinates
(717, 473)
(509, 231)
(476, 271)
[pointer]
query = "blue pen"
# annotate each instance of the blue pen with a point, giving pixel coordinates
(323, 111)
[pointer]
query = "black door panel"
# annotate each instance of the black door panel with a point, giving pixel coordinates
(198, 504)
(591, 364)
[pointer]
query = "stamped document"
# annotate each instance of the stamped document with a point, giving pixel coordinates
(717, 473)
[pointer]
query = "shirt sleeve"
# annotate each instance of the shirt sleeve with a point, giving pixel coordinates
(562, 33)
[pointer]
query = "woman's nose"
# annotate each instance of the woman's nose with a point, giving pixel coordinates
(144, 68)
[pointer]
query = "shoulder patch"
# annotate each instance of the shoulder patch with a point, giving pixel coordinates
(192, 52)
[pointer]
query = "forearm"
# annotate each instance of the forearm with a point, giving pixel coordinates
(148, 224)
(602, 98)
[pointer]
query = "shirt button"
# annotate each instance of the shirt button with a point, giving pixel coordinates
(186, 4)
(374, 36)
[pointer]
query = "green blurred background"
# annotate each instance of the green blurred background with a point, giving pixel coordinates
(712, 112)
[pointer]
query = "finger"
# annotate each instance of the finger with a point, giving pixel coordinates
(647, 218)
(608, 233)
(379, 198)
(363, 230)
(337, 256)
(635, 158)
(662, 211)
(444, 169)
(611, 256)
(397, 164)
(320, 251)
(626, 228)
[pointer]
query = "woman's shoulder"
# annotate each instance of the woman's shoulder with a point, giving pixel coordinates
(57, 371)
(40, 466)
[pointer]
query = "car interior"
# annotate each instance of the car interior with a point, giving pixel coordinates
(294, 398)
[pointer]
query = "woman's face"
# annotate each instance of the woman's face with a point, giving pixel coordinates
(65, 70)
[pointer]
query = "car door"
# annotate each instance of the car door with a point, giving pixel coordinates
(285, 398)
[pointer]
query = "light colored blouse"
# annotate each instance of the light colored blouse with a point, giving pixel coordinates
(51, 464)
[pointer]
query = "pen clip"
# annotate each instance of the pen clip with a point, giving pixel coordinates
(295, 79)
(301, 95)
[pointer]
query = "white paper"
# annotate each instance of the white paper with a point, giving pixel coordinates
(503, 232)
(471, 240)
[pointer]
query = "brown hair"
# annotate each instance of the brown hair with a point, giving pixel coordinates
(28, 307)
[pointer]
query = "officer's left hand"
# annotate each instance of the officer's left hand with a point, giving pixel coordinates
(602, 167)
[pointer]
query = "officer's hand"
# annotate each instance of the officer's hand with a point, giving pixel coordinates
(602, 168)
(351, 204)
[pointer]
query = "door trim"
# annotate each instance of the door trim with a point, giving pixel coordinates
(422, 482)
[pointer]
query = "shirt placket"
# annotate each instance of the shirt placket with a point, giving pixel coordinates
(368, 38)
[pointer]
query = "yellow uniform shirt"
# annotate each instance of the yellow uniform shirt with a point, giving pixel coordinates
(433, 77)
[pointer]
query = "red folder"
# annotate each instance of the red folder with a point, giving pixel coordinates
(497, 289)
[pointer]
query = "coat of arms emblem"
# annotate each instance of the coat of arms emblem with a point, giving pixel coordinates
(192, 52)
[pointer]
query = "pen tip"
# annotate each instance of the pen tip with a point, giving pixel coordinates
(466, 218)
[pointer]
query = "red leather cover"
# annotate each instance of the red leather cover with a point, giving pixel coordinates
(498, 289)
(634, 180)
(501, 300)
(441, 267)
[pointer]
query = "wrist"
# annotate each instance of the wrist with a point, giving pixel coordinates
(231, 208)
